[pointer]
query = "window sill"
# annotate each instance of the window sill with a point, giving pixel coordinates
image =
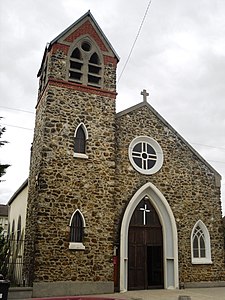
(201, 261)
(76, 246)
(80, 155)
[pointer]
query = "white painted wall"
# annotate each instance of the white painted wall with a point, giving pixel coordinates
(18, 207)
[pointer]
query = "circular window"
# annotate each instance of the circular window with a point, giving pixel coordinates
(145, 155)
(86, 46)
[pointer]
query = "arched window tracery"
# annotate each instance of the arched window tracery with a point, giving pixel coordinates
(200, 244)
(85, 66)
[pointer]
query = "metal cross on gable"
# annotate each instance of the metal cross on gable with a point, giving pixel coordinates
(145, 95)
(145, 211)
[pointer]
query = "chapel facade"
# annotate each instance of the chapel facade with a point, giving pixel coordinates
(116, 201)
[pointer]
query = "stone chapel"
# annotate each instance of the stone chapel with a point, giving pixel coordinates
(116, 201)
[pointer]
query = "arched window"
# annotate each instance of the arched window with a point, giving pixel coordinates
(77, 225)
(8, 233)
(76, 65)
(13, 230)
(18, 229)
(94, 69)
(85, 65)
(200, 244)
(80, 139)
(76, 54)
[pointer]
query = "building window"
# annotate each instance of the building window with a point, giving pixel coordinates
(76, 66)
(77, 225)
(200, 244)
(145, 155)
(18, 236)
(13, 230)
(8, 233)
(85, 65)
(80, 141)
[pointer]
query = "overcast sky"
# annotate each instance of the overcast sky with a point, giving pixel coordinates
(179, 57)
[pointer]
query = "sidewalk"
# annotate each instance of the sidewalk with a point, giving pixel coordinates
(216, 293)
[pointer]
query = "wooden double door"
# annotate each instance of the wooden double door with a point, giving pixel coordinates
(145, 251)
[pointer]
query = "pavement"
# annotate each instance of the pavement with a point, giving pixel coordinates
(215, 293)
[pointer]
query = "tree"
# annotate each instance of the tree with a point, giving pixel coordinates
(224, 230)
(3, 167)
(3, 253)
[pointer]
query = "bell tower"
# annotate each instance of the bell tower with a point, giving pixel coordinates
(69, 229)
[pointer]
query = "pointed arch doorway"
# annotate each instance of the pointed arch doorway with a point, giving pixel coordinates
(145, 248)
(148, 248)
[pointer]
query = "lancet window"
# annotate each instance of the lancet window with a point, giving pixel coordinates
(200, 244)
(85, 66)
(77, 224)
(80, 141)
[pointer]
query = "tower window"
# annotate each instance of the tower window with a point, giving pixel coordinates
(94, 59)
(86, 46)
(85, 64)
(79, 145)
(94, 69)
(93, 79)
(76, 228)
(75, 75)
(77, 225)
(76, 54)
(80, 141)
(76, 64)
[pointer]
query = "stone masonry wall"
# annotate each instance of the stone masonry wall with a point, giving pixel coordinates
(187, 183)
(66, 183)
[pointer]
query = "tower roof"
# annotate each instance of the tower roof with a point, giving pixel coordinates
(69, 30)
(87, 15)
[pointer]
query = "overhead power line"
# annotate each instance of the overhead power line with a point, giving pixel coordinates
(216, 161)
(17, 109)
(216, 147)
(20, 127)
(132, 48)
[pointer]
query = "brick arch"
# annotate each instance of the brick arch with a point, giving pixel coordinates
(169, 235)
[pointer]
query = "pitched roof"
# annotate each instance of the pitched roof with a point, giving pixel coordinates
(146, 104)
(87, 14)
(24, 184)
(3, 210)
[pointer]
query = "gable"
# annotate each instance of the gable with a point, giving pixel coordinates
(142, 119)
(84, 26)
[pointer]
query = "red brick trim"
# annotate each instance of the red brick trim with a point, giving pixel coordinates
(78, 87)
(110, 60)
(58, 46)
(86, 28)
